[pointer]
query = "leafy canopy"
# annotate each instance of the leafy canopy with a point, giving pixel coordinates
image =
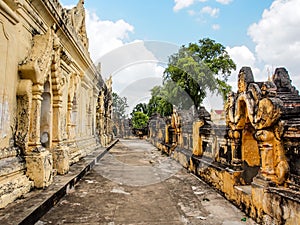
(139, 120)
(191, 72)
(140, 107)
(159, 102)
(195, 69)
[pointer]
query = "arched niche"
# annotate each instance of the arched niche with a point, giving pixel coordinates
(46, 116)
(249, 153)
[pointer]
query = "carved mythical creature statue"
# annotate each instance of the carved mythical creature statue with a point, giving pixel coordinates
(229, 109)
(233, 134)
(239, 113)
(259, 108)
(245, 77)
(274, 166)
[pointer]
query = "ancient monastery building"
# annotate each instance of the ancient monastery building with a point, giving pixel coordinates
(55, 107)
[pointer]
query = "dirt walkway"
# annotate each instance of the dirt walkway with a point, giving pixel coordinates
(135, 184)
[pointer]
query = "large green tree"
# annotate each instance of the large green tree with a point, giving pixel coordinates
(197, 68)
(119, 106)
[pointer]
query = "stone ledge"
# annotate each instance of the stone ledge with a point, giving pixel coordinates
(267, 205)
(244, 189)
(39, 201)
(182, 156)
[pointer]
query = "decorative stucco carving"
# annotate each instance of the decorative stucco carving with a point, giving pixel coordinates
(57, 78)
(77, 20)
(24, 102)
(37, 64)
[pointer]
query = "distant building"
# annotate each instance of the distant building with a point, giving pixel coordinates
(218, 116)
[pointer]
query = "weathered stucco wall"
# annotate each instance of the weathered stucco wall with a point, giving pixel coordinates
(55, 107)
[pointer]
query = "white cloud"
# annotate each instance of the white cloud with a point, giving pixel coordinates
(276, 36)
(216, 27)
(136, 81)
(242, 56)
(136, 67)
(213, 12)
(192, 12)
(105, 35)
(180, 4)
(69, 6)
(224, 2)
(136, 53)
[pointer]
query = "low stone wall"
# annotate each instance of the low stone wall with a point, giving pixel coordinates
(253, 159)
(265, 204)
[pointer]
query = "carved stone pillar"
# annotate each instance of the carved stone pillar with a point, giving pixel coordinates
(102, 129)
(60, 153)
(101, 124)
(34, 134)
(57, 133)
(38, 160)
(101, 118)
(69, 122)
(108, 113)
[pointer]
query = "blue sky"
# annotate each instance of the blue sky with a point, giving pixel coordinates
(263, 34)
(157, 20)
